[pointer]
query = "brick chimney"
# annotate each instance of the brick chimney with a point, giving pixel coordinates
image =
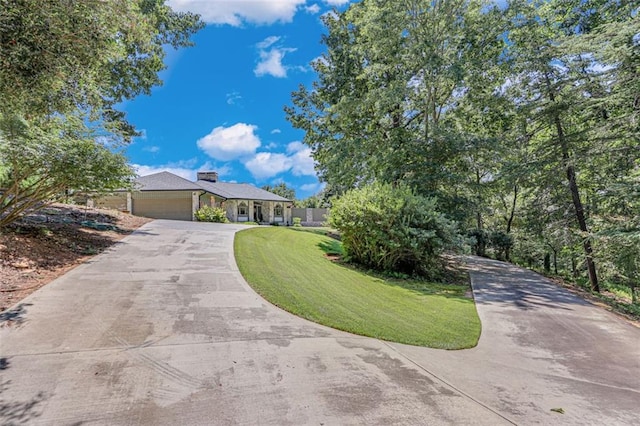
(208, 176)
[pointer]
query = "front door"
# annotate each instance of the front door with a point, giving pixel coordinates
(257, 212)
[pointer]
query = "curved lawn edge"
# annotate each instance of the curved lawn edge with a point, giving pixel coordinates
(290, 269)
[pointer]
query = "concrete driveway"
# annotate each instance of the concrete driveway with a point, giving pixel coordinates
(162, 329)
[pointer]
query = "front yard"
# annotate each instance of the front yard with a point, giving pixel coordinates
(298, 272)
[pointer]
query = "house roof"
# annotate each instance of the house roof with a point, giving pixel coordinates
(165, 181)
(239, 191)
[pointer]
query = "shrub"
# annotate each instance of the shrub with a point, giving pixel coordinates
(390, 229)
(619, 257)
(501, 243)
(211, 214)
(480, 240)
(297, 221)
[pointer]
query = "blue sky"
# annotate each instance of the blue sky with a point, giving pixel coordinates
(221, 105)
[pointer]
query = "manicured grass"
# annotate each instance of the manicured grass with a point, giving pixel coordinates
(291, 270)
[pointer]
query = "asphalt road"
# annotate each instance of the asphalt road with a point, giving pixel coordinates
(162, 329)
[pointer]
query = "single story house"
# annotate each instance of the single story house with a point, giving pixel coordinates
(244, 202)
(165, 195)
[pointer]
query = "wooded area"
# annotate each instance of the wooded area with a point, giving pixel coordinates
(522, 121)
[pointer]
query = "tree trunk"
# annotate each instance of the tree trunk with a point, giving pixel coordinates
(575, 193)
(479, 202)
(512, 213)
(547, 262)
(582, 222)
(513, 208)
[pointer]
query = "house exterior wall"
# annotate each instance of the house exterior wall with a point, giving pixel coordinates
(268, 211)
(210, 200)
(116, 201)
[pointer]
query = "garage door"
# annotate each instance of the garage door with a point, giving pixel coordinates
(174, 205)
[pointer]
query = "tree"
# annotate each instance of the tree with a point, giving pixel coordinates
(64, 67)
(392, 73)
(282, 190)
(320, 200)
(523, 122)
(58, 56)
(570, 104)
(42, 162)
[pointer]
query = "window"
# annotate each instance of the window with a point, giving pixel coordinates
(278, 210)
(242, 209)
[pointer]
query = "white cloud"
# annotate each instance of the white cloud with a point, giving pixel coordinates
(302, 163)
(271, 64)
(233, 98)
(295, 147)
(238, 12)
(271, 56)
(268, 164)
(276, 131)
(297, 159)
(152, 149)
(312, 187)
(336, 2)
(186, 169)
(230, 143)
(313, 9)
(267, 42)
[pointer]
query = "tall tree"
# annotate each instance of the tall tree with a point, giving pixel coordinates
(58, 56)
(391, 74)
(64, 68)
(566, 96)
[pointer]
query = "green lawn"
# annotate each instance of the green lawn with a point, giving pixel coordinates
(289, 269)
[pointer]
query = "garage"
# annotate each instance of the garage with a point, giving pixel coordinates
(165, 196)
(176, 205)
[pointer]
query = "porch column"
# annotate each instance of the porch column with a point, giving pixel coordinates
(129, 203)
(195, 204)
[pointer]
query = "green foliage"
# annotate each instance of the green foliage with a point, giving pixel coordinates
(620, 256)
(576, 86)
(480, 241)
(282, 190)
(320, 200)
(522, 121)
(59, 56)
(297, 222)
(501, 242)
(389, 228)
(392, 73)
(64, 66)
(211, 214)
(44, 161)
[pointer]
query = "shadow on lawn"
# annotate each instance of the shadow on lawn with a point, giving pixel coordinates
(333, 250)
(331, 247)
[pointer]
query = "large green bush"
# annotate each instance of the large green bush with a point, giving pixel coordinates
(389, 228)
(211, 214)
